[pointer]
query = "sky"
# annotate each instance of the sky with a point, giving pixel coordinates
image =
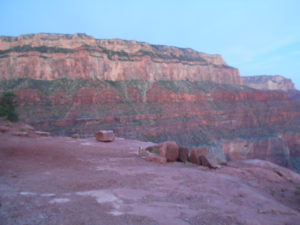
(259, 37)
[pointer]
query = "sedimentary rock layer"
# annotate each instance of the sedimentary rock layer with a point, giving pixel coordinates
(76, 85)
(52, 56)
(190, 113)
(265, 82)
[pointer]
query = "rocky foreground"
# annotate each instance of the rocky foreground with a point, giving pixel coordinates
(62, 180)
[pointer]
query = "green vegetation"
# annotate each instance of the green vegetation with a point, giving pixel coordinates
(8, 105)
(155, 150)
(42, 49)
(188, 86)
(122, 56)
(161, 55)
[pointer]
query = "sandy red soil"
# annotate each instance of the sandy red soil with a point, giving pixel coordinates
(65, 181)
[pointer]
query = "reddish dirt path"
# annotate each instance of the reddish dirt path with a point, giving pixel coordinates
(64, 181)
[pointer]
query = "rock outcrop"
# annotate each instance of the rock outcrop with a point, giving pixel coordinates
(266, 82)
(79, 56)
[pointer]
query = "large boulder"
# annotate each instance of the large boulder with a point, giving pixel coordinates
(105, 136)
(196, 152)
(169, 150)
(199, 156)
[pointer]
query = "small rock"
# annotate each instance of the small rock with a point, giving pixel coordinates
(42, 133)
(169, 150)
(105, 136)
(183, 154)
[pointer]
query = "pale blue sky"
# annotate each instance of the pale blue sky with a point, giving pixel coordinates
(256, 36)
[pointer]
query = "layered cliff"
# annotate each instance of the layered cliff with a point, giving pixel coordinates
(69, 84)
(265, 82)
(52, 56)
(235, 121)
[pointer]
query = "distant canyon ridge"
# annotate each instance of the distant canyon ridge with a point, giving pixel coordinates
(76, 84)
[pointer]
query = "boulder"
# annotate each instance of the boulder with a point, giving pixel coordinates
(169, 150)
(196, 152)
(183, 154)
(199, 156)
(105, 136)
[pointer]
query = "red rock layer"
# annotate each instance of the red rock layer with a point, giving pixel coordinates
(239, 122)
(52, 56)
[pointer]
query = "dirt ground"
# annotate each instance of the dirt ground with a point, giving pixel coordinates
(65, 181)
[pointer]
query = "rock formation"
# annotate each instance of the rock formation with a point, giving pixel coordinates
(52, 56)
(266, 82)
(105, 136)
(148, 92)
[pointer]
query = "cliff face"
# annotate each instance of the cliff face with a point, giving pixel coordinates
(268, 82)
(148, 92)
(238, 122)
(52, 56)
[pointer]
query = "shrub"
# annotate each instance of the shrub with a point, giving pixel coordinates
(8, 105)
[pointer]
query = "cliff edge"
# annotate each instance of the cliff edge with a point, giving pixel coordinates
(268, 82)
(51, 56)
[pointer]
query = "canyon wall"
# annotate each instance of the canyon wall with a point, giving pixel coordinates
(268, 82)
(236, 121)
(75, 84)
(52, 56)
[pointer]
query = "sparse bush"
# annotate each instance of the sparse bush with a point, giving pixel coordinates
(8, 105)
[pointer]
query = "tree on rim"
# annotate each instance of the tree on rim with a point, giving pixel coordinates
(8, 106)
